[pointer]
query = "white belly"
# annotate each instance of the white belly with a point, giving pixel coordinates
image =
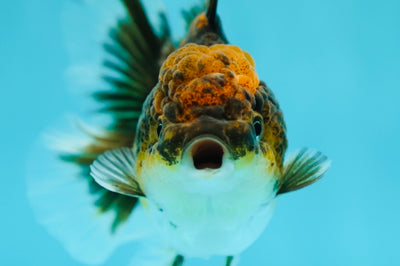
(221, 214)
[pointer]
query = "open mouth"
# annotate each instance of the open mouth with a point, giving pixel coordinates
(207, 154)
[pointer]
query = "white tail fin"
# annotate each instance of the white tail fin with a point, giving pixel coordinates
(63, 204)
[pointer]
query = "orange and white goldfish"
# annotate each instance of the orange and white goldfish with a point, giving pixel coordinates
(197, 143)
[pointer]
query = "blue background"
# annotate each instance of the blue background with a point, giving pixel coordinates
(334, 67)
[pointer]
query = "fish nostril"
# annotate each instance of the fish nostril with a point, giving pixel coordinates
(207, 154)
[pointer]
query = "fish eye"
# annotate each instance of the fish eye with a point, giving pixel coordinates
(159, 128)
(257, 124)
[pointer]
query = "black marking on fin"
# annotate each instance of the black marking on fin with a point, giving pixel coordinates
(139, 17)
(211, 13)
(172, 224)
(229, 260)
(178, 261)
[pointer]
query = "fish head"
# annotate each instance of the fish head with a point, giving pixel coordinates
(209, 116)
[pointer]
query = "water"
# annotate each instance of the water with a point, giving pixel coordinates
(334, 67)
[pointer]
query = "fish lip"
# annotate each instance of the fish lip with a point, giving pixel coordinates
(204, 137)
(186, 156)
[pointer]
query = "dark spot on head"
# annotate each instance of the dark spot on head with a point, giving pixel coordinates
(207, 90)
(223, 58)
(220, 79)
(178, 75)
(200, 66)
(246, 95)
(259, 103)
(171, 111)
(233, 108)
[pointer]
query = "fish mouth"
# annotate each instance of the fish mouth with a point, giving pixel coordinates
(206, 153)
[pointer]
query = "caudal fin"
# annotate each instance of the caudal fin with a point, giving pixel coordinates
(63, 204)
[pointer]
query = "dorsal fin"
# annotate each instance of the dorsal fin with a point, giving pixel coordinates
(211, 13)
(206, 28)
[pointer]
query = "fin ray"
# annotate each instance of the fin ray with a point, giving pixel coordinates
(113, 170)
(305, 168)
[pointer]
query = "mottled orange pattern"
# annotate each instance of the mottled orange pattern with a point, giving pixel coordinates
(197, 75)
(200, 21)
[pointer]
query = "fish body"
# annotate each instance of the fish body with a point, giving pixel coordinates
(198, 140)
(209, 181)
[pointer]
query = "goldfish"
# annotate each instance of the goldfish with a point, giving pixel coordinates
(197, 143)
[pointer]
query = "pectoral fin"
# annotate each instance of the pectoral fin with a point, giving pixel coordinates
(303, 169)
(114, 170)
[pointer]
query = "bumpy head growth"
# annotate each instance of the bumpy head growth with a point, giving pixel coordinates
(198, 76)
